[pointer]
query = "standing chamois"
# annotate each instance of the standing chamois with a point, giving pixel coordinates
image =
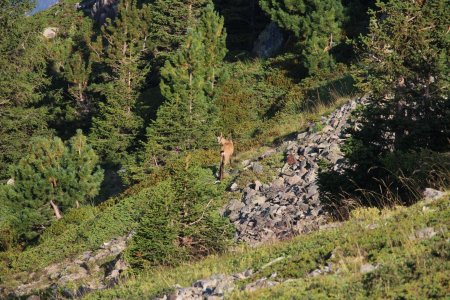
(226, 152)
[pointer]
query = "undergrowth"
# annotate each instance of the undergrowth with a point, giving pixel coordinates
(406, 267)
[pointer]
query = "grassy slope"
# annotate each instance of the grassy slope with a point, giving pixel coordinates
(408, 267)
(87, 229)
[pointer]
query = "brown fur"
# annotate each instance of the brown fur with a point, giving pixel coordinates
(226, 152)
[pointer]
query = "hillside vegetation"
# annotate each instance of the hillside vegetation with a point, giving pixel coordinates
(389, 253)
(338, 110)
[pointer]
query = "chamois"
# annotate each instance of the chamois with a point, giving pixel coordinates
(226, 152)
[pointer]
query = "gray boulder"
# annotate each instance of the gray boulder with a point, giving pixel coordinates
(269, 41)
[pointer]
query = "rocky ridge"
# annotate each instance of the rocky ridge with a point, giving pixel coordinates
(92, 270)
(290, 204)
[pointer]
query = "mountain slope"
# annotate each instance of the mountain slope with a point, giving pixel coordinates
(399, 252)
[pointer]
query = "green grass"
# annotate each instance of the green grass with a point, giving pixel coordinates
(408, 268)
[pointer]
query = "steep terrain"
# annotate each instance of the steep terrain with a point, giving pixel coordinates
(377, 254)
(287, 205)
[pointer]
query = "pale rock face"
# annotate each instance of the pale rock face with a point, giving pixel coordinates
(432, 194)
(50, 32)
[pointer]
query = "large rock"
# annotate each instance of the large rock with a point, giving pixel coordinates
(99, 10)
(50, 32)
(432, 194)
(269, 41)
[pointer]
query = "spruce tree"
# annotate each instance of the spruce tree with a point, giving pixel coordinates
(22, 82)
(187, 118)
(122, 45)
(52, 178)
(316, 23)
(398, 136)
(171, 21)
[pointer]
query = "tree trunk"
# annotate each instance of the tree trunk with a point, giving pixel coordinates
(56, 210)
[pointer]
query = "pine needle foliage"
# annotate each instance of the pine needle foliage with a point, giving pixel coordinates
(181, 221)
(188, 118)
(66, 175)
(123, 44)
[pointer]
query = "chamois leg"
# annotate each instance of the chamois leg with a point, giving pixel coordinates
(222, 166)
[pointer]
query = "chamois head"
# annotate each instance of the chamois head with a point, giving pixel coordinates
(220, 139)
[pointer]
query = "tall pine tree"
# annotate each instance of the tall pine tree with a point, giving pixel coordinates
(171, 21)
(187, 118)
(122, 45)
(22, 81)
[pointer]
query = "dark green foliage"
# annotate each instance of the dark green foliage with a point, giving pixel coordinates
(21, 55)
(155, 239)
(405, 68)
(85, 230)
(70, 61)
(317, 25)
(22, 78)
(182, 220)
(187, 118)
(17, 124)
(171, 21)
(122, 47)
(52, 172)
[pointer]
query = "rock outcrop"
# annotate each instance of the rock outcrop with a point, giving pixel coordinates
(50, 32)
(90, 271)
(290, 204)
(99, 10)
(269, 41)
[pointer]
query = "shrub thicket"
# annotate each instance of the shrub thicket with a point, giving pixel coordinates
(181, 220)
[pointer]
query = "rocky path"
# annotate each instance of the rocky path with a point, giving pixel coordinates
(290, 204)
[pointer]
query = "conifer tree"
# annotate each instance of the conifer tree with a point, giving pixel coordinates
(398, 135)
(187, 118)
(52, 178)
(171, 21)
(122, 46)
(405, 67)
(22, 81)
(72, 64)
(214, 42)
(316, 23)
